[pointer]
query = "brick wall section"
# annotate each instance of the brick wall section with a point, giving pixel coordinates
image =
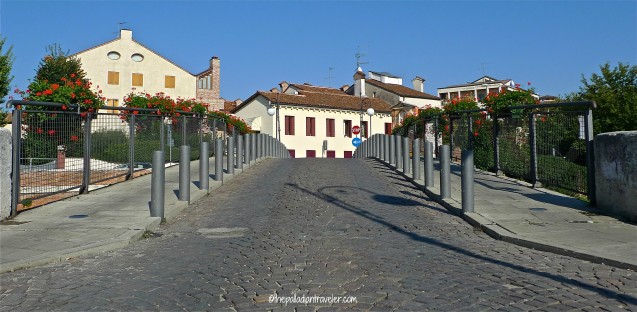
(212, 95)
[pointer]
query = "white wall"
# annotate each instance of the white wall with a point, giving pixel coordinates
(96, 64)
(299, 142)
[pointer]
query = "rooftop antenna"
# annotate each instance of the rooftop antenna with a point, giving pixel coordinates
(119, 27)
(329, 74)
(358, 57)
(483, 72)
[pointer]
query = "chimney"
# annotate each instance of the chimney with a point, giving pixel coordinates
(274, 90)
(284, 85)
(238, 102)
(126, 34)
(419, 84)
(344, 88)
(216, 83)
(359, 83)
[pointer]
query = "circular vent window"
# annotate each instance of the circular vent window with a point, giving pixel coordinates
(137, 57)
(113, 55)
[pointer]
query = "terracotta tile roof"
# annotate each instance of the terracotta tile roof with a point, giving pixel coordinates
(401, 90)
(322, 100)
(229, 106)
(311, 88)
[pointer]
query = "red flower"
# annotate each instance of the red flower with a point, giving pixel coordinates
(51, 132)
(74, 138)
(83, 114)
(55, 86)
(40, 131)
(475, 134)
(72, 75)
(38, 93)
(63, 107)
(528, 83)
(72, 95)
(135, 112)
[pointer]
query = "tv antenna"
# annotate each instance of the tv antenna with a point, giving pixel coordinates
(358, 56)
(483, 71)
(119, 27)
(329, 74)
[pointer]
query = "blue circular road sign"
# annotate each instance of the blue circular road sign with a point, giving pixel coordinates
(356, 142)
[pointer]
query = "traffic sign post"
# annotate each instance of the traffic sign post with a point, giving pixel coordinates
(356, 130)
(356, 142)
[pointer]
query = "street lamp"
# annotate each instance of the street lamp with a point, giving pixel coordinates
(271, 112)
(370, 112)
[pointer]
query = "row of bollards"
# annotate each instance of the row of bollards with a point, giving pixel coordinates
(248, 149)
(396, 151)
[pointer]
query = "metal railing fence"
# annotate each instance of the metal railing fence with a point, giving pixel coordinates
(60, 153)
(550, 144)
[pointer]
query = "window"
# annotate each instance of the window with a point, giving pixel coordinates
(347, 154)
(330, 128)
(364, 130)
(289, 125)
(114, 103)
(113, 55)
(310, 153)
(331, 154)
(113, 78)
(292, 153)
(348, 128)
(169, 82)
(310, 126)
(137, 57)
(138, 80)
(388, 128)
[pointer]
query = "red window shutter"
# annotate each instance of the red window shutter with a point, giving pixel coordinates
(347, 154)
(365, 130)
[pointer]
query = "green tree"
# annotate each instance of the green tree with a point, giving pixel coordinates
(614, 90)
(6, 62)
(57, 64)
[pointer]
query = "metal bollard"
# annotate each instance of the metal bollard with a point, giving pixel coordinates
(218, 159)
(429, 164)
(399, 152)
(253, 147)
(415, 160)
(157, 185)
(204, 167)
(184, 173)
(392, 150)
(230, 157)
(239, 162)
(386, 148)
(246, 151)
(405, 161)
(445, 172)
(467, 180)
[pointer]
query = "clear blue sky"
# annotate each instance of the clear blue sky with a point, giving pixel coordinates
(261, 43)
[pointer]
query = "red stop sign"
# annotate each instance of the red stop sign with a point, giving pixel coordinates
(356, 129)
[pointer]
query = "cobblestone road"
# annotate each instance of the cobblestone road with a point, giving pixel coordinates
(319, 228)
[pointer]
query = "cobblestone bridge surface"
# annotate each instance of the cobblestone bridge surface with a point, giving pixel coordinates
(321, 229)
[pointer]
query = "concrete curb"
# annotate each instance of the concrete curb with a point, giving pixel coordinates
(133, 234)
(492, 229)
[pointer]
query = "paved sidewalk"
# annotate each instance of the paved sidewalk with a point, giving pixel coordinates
(105, 219)
(538, 218)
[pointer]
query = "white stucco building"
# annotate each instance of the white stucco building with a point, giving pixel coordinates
(123, 65)
(315, 121)
(478, 89)
(390, 88)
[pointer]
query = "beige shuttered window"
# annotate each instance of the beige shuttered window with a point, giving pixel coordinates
(113, 78)
(138, 80)
(169, 82)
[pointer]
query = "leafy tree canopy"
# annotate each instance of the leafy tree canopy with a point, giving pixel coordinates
(614, 90)
(57, 64)
(6, 62)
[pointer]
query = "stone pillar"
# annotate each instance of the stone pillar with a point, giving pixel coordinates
(5, 173)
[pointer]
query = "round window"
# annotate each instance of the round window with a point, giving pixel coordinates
(137, 57)
(113, 55)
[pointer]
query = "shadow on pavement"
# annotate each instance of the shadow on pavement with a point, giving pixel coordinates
(322, 195)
